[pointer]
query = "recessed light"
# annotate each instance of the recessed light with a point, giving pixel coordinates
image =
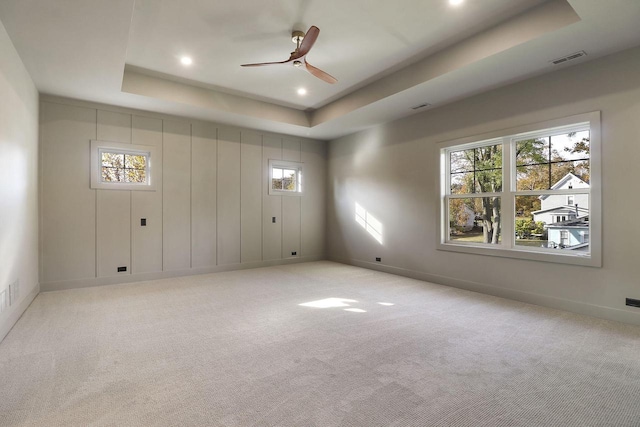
(302, 91)
(185, 60)
(456, 2)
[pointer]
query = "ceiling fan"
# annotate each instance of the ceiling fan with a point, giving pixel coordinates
(304, 43)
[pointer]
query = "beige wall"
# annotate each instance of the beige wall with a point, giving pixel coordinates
(18, 183)
(210, 211)
(391, 171)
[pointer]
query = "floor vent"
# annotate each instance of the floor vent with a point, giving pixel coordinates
(569, 58)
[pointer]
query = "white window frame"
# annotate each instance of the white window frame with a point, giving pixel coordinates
(507, 247)
(286, 164)
(98, 147)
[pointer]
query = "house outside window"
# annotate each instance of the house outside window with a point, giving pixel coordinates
(531, 192)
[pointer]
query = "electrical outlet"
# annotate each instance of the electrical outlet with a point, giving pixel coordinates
(294, 253)
(273, 219)
(3, 300)
(121, 269)
(378, 259)
(633, 302)
(14, 292)
(143, 222)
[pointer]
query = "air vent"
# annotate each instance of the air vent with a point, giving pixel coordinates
(417, 107)
(569, 58)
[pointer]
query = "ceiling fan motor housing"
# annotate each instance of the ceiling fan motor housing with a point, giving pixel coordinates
(297, 36)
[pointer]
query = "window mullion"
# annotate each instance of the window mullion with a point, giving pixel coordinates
(474, 195)
(572, 191)
(508, 201)
(445, 190)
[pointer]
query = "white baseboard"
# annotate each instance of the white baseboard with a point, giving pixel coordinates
(593, 310)
(15, 314)
(140, 277)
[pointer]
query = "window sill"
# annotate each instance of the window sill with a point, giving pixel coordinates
(586, 260)
(285, 193)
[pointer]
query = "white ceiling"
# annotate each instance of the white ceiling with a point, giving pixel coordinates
(387, 56)
(355, 44)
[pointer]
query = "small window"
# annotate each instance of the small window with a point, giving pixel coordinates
(285, 178)
(117, 166)
(121, 166)
(570, 200)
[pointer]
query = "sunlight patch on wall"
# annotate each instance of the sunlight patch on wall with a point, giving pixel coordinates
(369, 223)
(355, 310)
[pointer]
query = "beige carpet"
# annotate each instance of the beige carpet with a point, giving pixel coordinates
(238, 349)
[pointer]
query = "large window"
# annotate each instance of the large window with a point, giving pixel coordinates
(118, 166)
(532, 192)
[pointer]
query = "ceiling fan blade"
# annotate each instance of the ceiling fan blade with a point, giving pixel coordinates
(262, 64)
(320, 74)
(308, 41)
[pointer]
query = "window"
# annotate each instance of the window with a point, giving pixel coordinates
(531, 192)
(120, 166)
(285, 178)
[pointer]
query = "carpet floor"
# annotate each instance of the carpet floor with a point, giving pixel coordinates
(315, 344)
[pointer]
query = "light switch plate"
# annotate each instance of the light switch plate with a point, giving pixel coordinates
(3, 300)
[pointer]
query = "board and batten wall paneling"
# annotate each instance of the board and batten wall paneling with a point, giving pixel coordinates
(291, 206)
(251, 197)
(146, 242)
(228, 196)
(313, 203)
(68, 204)
(204, 147)
(210, 211)
(176, 191)
(271, 205)
(113, 206)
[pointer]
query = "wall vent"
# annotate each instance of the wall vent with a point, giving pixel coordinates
(569, 57)
(417, 107)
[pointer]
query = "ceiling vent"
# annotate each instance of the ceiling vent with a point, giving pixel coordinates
(417, 107)
(569, 57)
